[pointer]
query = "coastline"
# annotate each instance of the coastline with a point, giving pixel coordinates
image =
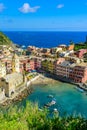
(44, 80)
(20, 95)
(17, 97)
(27, 90)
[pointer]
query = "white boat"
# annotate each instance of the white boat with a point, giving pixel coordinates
(50, 96)
(40, 109)
(81, 90)
(55, 110)
(53, 102)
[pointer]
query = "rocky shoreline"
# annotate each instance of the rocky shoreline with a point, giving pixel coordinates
(23, 94)
(19, 96)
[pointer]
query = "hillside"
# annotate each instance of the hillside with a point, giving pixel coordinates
(4, 40)
(30, 118)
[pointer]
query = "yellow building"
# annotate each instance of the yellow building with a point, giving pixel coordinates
(51, 66)
(44, 65)
(48, 65)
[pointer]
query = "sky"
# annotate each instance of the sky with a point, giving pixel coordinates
(43, 15)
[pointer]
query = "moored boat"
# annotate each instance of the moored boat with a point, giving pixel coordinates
(55, 110)
(50, 96)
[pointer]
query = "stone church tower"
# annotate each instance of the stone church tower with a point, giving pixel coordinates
(15, 63)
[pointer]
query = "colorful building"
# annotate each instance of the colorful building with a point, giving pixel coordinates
(71, 47)
(80, 53)
(78, 74)
(62, 69)
(37, 63)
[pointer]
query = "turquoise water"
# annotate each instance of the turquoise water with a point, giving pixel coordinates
(69, 100)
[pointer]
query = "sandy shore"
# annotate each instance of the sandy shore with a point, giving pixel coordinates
(44, 80)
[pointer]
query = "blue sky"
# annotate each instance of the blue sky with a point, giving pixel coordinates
(43, 15)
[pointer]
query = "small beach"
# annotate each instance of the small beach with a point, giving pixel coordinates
(44, 80)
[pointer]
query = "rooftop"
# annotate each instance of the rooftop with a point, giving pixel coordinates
(12, 77)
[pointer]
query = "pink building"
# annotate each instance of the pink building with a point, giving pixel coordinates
(78, 74)
(37, 63)
(60, 69)
(80, 53)
(27, 64)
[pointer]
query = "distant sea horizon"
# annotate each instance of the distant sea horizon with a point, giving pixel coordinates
(46, 39)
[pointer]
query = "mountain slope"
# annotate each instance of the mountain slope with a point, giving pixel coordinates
(4, 40)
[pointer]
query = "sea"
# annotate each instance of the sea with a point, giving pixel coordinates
(44, 38)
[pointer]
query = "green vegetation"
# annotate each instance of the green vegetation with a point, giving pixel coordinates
(30, 118)
(80, 46)
(4, 40)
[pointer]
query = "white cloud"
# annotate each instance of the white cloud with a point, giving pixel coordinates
(60, 6)
(2, 7)
(27, 9)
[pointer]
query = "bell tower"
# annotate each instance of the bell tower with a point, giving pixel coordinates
(15, 63)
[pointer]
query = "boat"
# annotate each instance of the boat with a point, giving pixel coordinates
(80, 89)
(53, 102)
(40, 109)
(49, 104)
(50, 96)
(55, 110)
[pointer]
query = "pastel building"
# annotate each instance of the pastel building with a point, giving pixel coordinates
(28, 64)
(80, 53)
(8, 64)
(71, 47)
(79, 74)
(51, 66)
(62, 69)
(37, 63)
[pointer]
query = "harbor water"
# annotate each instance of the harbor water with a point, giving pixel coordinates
(69, 100)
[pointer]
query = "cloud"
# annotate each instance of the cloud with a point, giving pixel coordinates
(2, 7)
(27, 9)
(60, 6)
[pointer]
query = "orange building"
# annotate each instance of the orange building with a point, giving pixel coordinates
(71, 47)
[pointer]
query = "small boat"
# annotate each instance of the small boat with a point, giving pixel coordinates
(55, 110)
(49, 104)
(81, 90)
(40, 109)
(50, 96)
(53, 102)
